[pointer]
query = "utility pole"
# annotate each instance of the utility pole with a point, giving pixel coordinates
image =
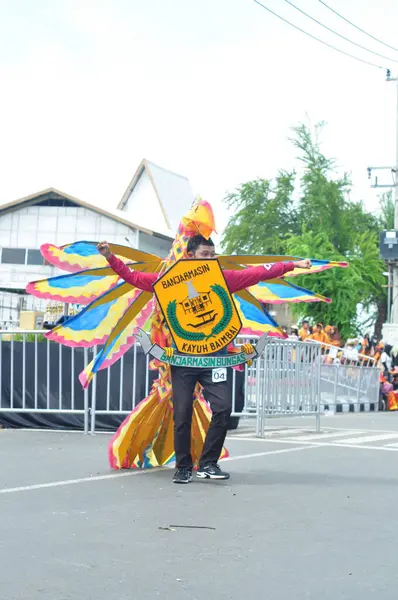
(390, 329)
(394, 310)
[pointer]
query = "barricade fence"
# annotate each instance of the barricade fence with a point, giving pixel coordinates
(349, 380)
(347, 388)
(289, 384)
(332, 355)
(39, 383)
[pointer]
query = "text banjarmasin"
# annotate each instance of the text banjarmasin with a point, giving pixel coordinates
(166, 283)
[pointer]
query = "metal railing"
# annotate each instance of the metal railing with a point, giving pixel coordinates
(349, 387)
(349, 380)
(289, 384)
(39, 377)
(33, 378)
(345, 356)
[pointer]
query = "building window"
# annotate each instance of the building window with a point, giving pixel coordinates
(21, 256)
(13, 256)
(34, 258)
(56, 202)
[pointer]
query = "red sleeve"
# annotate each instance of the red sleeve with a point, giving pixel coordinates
(239, 280)
(142, 281)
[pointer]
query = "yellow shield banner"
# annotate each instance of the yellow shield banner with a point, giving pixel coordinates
(198, 307)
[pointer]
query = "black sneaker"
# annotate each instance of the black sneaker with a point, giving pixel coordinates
(182, 476)
(211, 472)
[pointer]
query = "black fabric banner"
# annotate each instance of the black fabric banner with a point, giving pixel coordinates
(59, 386)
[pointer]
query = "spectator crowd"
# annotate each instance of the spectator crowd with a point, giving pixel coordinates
(368, 351)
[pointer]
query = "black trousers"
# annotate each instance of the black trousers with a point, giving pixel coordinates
(219, 397)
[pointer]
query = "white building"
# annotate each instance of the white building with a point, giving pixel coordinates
(164, 194)
(146, 218)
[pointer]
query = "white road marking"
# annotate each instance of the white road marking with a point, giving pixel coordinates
(267, 433)
(360, 447)
(269, 452)
(323, 436)
(54, 484)
(371, 438)
(367, 430)
(325, 444)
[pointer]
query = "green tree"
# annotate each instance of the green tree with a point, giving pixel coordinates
(264, 216)
(324, 223)
(325, 205)
(360, 284)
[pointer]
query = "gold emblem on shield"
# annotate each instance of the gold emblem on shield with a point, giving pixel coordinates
(198, 307)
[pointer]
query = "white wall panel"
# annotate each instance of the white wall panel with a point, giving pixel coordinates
(14, 238)
(72, 210)
(48, 222)
(5, 222)
(86, 224)
(27, 239)
(67, 222)
(5, 239)
(48, 210)
(106, 225)
(44, 237)
(63, 237)
(28, 222)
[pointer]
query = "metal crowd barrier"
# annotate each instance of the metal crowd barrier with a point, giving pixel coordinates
(289, 381)
(40, 377)
(33, 378)
(349, 380)
(347, 388)
(332, 355)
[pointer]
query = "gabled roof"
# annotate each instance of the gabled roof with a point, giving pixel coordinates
(173, 192)
(53, 193)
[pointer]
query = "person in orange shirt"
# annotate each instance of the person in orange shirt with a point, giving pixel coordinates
(304, 331)
(320, 335)
(334, 336)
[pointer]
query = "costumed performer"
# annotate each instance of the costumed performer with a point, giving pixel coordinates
(113, 311)
(185, 379)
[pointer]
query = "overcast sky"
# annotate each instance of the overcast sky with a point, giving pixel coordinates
(207, 88)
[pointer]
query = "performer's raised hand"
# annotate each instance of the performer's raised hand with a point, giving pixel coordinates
(303, 264)
(103, 248)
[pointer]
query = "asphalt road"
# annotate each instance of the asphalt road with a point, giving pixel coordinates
(303, 517)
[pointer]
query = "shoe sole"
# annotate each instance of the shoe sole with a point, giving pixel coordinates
(183, 482)
(207, 476)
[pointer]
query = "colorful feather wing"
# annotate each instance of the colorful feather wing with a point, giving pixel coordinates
(92, 325)
(121, 337)
(133, 254)
(248, 260)
(255, 319)
(82, 287)
(279, 291)
(84, 255)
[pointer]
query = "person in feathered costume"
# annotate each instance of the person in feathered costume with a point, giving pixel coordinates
(119, 299)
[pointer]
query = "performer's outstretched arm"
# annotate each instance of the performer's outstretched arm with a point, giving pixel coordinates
(239, 280)
(142, 281)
